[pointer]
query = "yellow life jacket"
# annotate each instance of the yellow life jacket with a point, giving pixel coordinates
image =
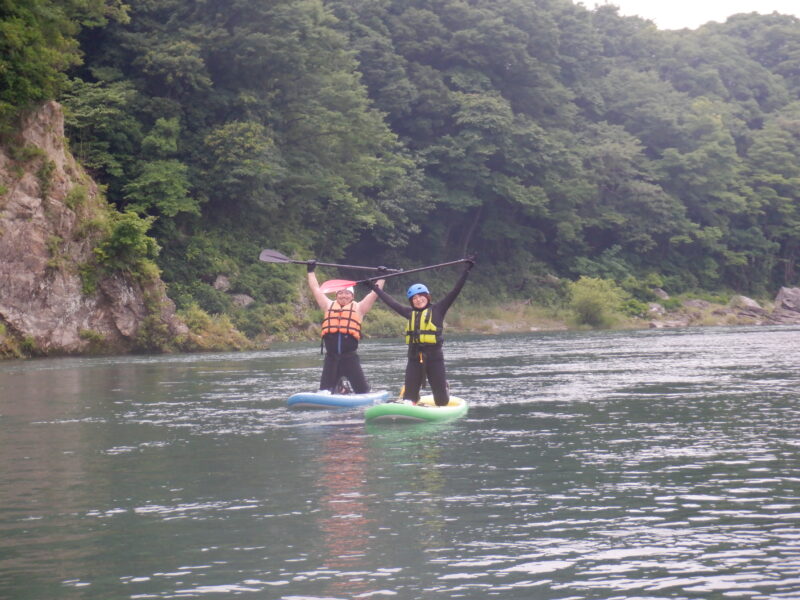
(342, 319)
(421, 330)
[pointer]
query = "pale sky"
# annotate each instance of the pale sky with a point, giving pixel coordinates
(677, 14)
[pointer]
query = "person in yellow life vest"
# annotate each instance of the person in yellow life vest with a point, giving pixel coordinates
(424, 336)
(341, 331)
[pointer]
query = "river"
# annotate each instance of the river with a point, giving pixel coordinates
(592, 465)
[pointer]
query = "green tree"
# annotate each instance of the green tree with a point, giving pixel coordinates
(596, 302)
(244, 166)
(772, 40)
(103, 131)
(37, 46)
(161, 185)
(775, 201)
(127, 246)
(630, 211)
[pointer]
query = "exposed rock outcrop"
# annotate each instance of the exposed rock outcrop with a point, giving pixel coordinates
(741, 310)
(47, 206)
(787, 307)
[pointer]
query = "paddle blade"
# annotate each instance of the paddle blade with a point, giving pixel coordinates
(273, 256)
(334, 285)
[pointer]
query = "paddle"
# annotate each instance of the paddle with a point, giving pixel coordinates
(273, 256)
(340, 284)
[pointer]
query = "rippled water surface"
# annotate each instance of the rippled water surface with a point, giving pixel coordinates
(646, 465)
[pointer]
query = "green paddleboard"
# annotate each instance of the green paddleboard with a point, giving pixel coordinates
(424, 411)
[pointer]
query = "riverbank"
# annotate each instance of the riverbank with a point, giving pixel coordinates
(218, 334)
(678, 312)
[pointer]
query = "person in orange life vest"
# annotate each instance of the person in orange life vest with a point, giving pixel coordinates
(341, 330)
(424, 336)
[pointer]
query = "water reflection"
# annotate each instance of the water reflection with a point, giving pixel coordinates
(344, 522)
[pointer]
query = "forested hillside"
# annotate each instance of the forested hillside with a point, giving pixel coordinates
(548, 138)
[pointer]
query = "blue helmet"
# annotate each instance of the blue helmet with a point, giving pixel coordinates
(415, 289)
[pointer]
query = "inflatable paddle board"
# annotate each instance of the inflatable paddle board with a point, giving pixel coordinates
(424, 411)
(322, 400)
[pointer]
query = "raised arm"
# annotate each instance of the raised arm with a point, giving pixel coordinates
(322, 300)
(401, 309)
(444, 304)
(368, 300)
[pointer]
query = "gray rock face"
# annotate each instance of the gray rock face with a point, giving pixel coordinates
(46, 208)
(787, 306)
(788, 299)
(745, 303)
(741, 310)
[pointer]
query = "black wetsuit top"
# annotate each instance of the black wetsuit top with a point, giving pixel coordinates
(426, 360)
(438, 309)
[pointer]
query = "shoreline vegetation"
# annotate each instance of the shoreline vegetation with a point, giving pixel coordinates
(526, 317)
(583, 305)
(598, 304)
(589, 304)
(520, 317)
(217, 333)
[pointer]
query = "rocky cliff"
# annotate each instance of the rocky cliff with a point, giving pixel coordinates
(49, 208)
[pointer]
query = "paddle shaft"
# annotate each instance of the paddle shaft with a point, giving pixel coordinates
(357, 267)
(409, 271)
(274, 256)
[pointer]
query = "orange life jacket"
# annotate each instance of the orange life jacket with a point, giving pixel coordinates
(342, 319)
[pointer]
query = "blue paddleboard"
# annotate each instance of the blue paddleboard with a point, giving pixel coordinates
(321, 400)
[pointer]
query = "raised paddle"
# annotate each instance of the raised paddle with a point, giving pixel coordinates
(340, 284)
(273, 256)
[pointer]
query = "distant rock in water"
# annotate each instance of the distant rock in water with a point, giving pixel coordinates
(49, 208)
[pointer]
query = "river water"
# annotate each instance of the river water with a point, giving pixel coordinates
(637, 465)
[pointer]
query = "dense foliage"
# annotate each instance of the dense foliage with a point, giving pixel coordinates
(546, 137)
(37, 46)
